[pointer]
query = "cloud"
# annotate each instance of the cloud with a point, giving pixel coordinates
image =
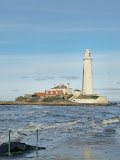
(44, 78)
(118, 82)
(11, 27)
(67, 29)
(55, 29)
(6, 42)
(15, 90)
(38, 78)
(70, 77)
(107, 89)
(25, 77)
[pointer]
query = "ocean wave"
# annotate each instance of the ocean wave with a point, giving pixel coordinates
(38, 116)
(9, 119)
(13, 137)
(31, 112)
(112, 120)
(38, 107)
(59, 115)
(45, 111)
(42, 126)
(110, 130)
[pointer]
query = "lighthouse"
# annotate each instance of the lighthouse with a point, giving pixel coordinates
(88, 96)
(87, 83)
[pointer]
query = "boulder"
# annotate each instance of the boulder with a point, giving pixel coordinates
(17, 147)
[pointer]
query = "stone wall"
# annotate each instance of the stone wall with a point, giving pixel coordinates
(99, 100)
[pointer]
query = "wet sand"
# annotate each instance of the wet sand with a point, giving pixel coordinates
(74, 149)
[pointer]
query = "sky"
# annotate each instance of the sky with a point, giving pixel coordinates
(42, 43)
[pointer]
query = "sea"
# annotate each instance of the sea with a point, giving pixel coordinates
(67, 132)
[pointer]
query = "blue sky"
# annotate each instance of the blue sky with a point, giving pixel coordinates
(43, 42)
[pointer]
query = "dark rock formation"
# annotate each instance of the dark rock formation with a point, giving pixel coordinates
(17, 147)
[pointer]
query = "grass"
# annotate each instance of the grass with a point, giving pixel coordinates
(88, 97)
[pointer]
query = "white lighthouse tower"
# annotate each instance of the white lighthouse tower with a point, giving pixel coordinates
(88, 96)
(87, 84)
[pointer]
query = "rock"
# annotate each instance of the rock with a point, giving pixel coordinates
(17, 147)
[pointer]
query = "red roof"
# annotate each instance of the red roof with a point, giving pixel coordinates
(39, 94)
(48, 93)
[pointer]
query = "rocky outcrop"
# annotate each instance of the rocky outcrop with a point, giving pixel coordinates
(56, 103)
(17, 147)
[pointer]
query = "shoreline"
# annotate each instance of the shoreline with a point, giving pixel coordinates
(61, 103)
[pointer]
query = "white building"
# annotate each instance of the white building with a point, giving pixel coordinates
(65, 89)
(87, 86)
(77, 93)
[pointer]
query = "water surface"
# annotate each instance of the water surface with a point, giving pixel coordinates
(67, 132)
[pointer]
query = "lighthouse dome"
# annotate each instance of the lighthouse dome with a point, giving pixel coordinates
(87, 53)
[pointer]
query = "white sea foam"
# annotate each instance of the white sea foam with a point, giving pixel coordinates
(13, 136)
(37, 107)
(31, 112)
(41, 126)
(45, 111)
(112, 120)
